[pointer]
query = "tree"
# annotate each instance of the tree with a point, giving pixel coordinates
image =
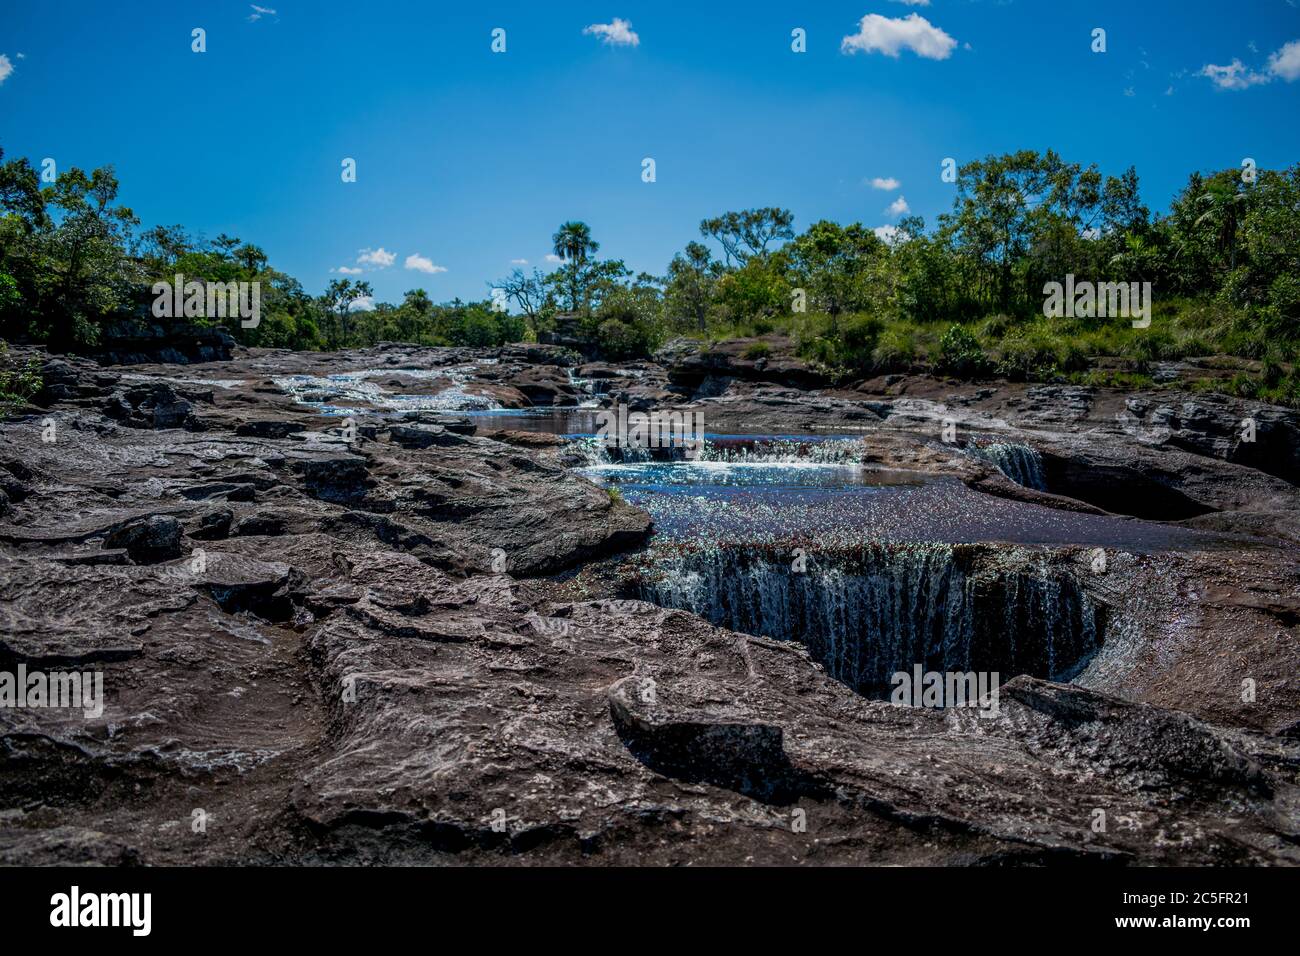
(760, 287)
(572, 242)
(833, 263)
(1224, 205)
(338, 300)
(1030, 214)
(20, 194)
(66, 250)
(692, 279)
(528, 292)
(746, 234)
(586, 283)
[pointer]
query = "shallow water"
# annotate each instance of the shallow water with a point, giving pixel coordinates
(846, 506)
(350, 393)
(765, 487)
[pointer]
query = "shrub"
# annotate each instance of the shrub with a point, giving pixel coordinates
(757, 350)
(18, 383)
(619, 340)
(960, 354)
(895, 350)
(1035, 352)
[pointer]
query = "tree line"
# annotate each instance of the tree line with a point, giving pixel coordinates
(964, 295)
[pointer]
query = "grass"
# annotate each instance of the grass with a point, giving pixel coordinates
(1040, 349)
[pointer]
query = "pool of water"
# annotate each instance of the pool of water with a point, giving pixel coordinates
(764, 487)
(845, 506)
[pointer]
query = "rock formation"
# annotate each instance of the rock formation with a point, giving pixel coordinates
(347, 610)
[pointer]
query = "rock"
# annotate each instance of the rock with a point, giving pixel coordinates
(212, 525)
(259, 523)
(677, 350)
(335, 478)
(157, 538)
(703, 370)
(546, 386)
(151, 406)
(418, 647)
(268, 428)
(142, 341)
(424, 436)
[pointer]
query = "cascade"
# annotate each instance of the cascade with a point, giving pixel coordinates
(1019, 462)
(889, 607)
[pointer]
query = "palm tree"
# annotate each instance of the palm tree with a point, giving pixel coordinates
(573, 243)
(1224, 209)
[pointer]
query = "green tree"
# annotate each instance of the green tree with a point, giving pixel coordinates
(692, 281)
(338, 300)
(744, 235)
(834, 264)
(572, 242)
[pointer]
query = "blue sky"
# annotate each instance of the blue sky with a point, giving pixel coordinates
(468, 160)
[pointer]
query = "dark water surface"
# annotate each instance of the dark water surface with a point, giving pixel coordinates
(846, 505)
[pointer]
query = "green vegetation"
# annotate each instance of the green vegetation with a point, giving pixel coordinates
(964, 298)
(18, 382)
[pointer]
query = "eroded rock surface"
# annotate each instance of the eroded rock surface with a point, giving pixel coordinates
(334, 630)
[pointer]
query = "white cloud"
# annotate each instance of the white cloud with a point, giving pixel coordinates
(914, 3)
(365, 303)
(618, 33)
(1283, 64)
(888, 183)
(899, 206)
(259, 12)
(419, 263)
(552, 257)
(913, 32)
(1235, 76)
(348, 271)
(380, 258)
(5, 67)
(519, 262)
(1286, 62)
(890, 235)
(21, 56)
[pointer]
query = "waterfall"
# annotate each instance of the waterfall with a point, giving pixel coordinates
(1019, 462)
(890, 607)
(591, 452)
(784, 451)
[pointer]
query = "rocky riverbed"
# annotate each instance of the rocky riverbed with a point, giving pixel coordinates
(390, 605)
